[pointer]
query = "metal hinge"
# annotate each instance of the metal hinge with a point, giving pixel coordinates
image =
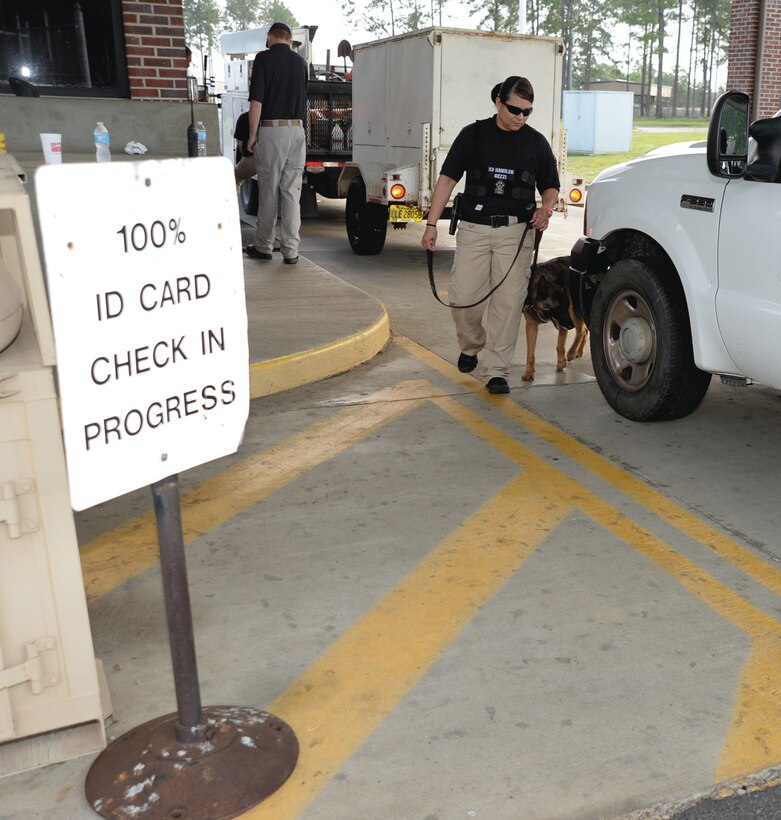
(32, 669)
(9, 507)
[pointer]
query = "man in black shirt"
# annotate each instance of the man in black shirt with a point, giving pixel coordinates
(504, 160)
(276, 136)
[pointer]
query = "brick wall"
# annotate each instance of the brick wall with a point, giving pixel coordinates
(744, 36)
(155, 46)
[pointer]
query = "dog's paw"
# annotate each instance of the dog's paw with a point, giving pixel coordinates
(528, 376)
(561, 366)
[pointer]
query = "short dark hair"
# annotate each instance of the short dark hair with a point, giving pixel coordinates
(280, 30)
(520, 85)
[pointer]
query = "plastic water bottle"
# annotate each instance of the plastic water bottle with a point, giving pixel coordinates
(200, 132)
(102, 152)
(337, 138)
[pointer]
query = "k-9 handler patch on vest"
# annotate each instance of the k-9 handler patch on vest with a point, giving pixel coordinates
(500, 178)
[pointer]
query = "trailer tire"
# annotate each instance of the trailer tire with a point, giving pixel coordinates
(248, 195)
(641, 344)
(366, 222)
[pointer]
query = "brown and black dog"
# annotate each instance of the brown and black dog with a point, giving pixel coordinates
(549, 300)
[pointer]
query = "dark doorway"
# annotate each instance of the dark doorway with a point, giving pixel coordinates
(64, 47)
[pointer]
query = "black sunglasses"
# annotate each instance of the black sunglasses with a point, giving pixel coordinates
(515, 111)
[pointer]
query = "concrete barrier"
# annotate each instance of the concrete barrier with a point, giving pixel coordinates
(160, 125)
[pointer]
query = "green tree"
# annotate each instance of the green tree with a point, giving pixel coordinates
(272, 11)
(201, 25)
(377, 16)
(201, 22)
(496, 15)
(241, 14)
(385, 18)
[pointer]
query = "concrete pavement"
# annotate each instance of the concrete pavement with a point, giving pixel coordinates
(462, 610)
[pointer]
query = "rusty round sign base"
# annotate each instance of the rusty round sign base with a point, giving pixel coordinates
(245, 756)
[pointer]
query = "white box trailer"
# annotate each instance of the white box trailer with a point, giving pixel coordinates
(412, 94)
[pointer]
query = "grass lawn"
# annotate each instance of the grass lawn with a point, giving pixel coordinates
(691, 122)
(588, 166)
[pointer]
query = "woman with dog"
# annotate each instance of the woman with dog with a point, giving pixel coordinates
(504, 160)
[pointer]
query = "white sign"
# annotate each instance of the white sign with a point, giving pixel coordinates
(146, 284)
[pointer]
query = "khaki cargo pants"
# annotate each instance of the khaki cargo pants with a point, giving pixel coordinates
(483, 256)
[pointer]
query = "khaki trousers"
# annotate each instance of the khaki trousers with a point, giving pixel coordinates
(280, 153)
(483, 256)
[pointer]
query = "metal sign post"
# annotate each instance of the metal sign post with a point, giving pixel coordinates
(150, 325)
(199, 764)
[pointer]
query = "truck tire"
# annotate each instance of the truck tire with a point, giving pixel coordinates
(366, 222)
(641, 345)
(248, 194)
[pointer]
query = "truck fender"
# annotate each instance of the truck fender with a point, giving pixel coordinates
(588, 261)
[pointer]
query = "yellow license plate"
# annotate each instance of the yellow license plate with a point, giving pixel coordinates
(405, 213)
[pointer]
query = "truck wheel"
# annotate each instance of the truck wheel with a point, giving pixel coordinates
(641, 345)
(248, 194)
(366, 222)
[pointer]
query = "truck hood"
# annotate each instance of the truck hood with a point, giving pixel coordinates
(658, 161)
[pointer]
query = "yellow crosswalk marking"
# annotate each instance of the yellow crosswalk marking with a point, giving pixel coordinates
(342, 698)
(124, 551)
(347, 692)
(661, 506)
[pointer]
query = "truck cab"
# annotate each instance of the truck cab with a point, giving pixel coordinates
(676, 274)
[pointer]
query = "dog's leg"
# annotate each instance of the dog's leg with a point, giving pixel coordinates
(531, 344)
(581, 334)
(561, 343)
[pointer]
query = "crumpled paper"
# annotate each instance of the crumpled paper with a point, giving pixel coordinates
(135, 148)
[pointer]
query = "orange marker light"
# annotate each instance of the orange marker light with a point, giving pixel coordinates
(397, 191)
(575, 195)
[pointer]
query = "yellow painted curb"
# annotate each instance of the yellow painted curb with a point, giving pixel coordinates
(286, 372)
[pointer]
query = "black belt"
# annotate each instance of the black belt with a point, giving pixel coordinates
(495, 221)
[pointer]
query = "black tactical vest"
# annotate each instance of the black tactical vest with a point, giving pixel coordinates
(501, 180)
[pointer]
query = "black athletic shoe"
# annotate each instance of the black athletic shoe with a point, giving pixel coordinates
(467, 363)
(291, 260)
(254, 253)
(498, 385)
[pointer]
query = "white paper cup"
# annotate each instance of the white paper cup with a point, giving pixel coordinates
(52, 148)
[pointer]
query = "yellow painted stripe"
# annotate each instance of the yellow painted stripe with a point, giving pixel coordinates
(287, 372)
(349, 690)
(754, 737)
(754, 566)
(123, 552)
(748, 618)
(340, 700)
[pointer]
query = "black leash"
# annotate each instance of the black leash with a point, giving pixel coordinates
(430, 263)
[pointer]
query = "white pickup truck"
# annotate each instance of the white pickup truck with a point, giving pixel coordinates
(679, 273)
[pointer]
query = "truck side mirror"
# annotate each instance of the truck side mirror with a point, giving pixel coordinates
(728, 135)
